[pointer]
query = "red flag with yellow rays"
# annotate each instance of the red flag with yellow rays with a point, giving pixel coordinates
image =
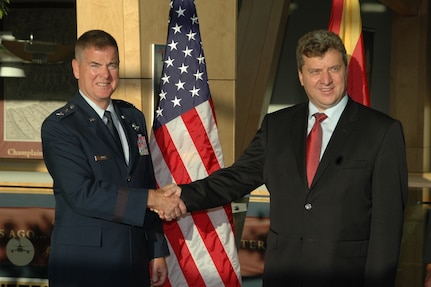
(346, 22)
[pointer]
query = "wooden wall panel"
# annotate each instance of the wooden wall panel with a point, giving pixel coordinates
(218, 21)
(131, 40)
(107, 15)
(261, 27)
(153, 27)
(403, 7)
(410, 86)
(222, 93)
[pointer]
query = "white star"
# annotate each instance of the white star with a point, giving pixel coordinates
(191, 35)
(159, 112)
(194, 19)
(180, 85)
(201, 59)
(187, 52)
(169, 62)
(180, 12)
(176, 101)
(195, 92)
(162, 95)
(183, 68)
(165, 78)
(177, 29)
(173, 45)
(198, 75)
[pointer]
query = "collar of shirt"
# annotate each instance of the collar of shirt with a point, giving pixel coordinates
(333, 114)
(98, 109)
(329, 124)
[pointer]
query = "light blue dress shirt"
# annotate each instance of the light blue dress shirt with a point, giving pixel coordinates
(116, 121)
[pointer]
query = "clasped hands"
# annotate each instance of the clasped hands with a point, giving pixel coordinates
(166, 202)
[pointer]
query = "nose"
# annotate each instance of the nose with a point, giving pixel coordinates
(326, 78)
(104, 71)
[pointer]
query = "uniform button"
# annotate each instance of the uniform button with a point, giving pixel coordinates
(129, 178)
(308, 206)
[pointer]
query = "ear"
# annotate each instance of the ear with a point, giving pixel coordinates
(75, 68)
(300, 77)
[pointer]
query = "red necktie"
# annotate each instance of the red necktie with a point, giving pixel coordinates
(314, 147)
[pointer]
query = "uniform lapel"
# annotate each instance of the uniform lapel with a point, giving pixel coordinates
(130, 130)
(96, 126)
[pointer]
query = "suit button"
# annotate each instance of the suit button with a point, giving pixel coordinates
(129, 178)
(308, 206)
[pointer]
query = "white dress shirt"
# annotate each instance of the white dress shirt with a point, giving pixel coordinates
(329, 124)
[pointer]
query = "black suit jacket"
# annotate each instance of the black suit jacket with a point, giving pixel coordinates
(345, 230)
(427, 239)
(103, 233)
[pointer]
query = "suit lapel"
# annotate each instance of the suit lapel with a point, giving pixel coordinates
(298, 136)
(346, 124)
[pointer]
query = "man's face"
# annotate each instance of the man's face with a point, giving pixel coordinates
(97, 72)
(324, 79)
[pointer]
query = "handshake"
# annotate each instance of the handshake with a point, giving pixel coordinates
(166, 202)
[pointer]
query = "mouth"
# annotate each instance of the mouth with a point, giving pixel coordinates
(326, 90)
(103, 84)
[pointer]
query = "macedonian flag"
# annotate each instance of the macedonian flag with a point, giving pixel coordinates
(346, 22)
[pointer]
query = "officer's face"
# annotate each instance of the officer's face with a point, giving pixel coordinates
(324, 79)
(97, 72)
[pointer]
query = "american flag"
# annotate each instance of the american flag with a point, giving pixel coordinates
(185, 147)
(346, 21)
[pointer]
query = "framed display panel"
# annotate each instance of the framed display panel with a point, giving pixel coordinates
(26, 222)
(37, 41)
(252, 246)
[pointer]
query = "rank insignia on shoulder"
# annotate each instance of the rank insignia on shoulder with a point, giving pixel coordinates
(65, 110)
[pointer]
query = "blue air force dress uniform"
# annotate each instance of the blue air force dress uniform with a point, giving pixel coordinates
(103, 233)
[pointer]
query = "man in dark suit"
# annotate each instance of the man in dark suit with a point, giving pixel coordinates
(104, 234)
(343, 226)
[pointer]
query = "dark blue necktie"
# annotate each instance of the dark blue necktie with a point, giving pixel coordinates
(112, 129)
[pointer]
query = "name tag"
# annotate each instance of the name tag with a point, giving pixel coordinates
(101, 157)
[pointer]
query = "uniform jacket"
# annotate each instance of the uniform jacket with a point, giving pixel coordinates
(103, 234)
(345, 230)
